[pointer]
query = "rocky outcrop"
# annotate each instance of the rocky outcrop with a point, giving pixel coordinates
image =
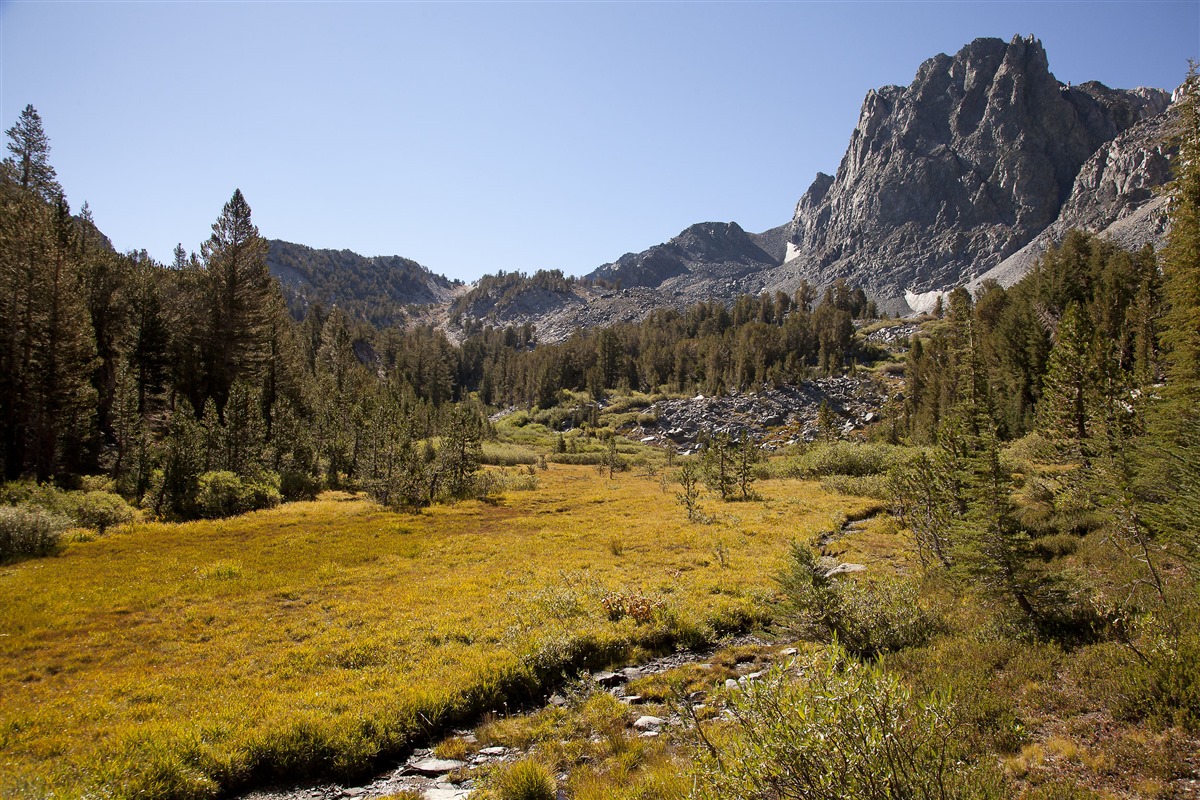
(1117, 194)
(710, 260)
(946, 177)
(773, 417)
(702, 253)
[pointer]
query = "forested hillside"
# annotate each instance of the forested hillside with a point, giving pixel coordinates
(156, 375)
(375, 289)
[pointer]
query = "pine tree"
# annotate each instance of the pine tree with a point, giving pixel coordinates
(238, 288)
(718, 464)
(149, 348)
(1172, 482)
(992, 547)
(47, 403)
(689, 480)
(30, 159)
(1181, 262)
(745, 457)
(461, 450)
(1068, 388)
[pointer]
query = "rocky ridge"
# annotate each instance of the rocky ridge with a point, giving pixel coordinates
(1117, 194)
(708, 253)
(945, 178)
(376, 288)
(969, 172)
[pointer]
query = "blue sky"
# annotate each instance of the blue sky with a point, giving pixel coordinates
(479, 136)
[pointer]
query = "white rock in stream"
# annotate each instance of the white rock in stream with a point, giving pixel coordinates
(648, 723)
(442, 793)
(435, 766)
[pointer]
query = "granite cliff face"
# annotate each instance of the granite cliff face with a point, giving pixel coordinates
(1116, 195)
(945, 178)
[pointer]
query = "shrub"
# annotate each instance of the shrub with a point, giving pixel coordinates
(524, 780)
(875, 486)
(493, 483)
(224, 494)
(1165, 686)
(868, 617)
(100, 510)
(844, 458)
(501, 454)
(29, 493)
(618, 605)
(29, 531)
(1055, 545)
(299, 485)
(845, 729)
(594, 457)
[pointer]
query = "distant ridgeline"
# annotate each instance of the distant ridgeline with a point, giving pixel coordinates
(374, 289)
(971, 172)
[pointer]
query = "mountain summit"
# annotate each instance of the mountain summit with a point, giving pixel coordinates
(945, 178)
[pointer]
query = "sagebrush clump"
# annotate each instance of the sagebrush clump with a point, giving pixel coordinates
(29, 531)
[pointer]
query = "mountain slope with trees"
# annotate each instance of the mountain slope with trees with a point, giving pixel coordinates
(376, 289)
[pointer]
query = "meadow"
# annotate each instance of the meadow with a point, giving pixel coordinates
(317, 639)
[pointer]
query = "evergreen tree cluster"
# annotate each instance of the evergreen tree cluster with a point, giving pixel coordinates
(708, 347)
(1092, 358)
(1080, 330)
(189, 384)
(162, 376)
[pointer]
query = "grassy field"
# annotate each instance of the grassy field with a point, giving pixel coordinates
(305, 641)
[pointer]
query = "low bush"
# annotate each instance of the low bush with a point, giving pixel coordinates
(983, 673)
(874, 486)
(96, 506)
(492, 483)
(299, 485)
(1055, 545)
(29, 531)
(29, 493)
(592, 457)
(502, 454)
(1164, 685)
(639, 607)
(843, 458)
(100, 510)
(225, 494)
(844, 729)
(867, 617)
(524, 780)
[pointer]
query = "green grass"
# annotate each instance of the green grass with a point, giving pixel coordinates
(309, 640)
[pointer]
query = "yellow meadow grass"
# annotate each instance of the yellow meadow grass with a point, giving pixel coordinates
(308, 640)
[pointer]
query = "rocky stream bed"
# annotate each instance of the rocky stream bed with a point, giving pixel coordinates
(454, 779)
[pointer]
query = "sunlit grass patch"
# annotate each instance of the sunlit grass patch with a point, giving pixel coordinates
(312, 638)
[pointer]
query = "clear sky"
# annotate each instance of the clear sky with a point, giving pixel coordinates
(479, 136)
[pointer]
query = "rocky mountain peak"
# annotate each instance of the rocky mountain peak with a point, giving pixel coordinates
(697, 247)
(944, 178)
(708, 241)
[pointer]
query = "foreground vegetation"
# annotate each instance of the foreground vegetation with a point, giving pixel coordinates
(173, 660)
